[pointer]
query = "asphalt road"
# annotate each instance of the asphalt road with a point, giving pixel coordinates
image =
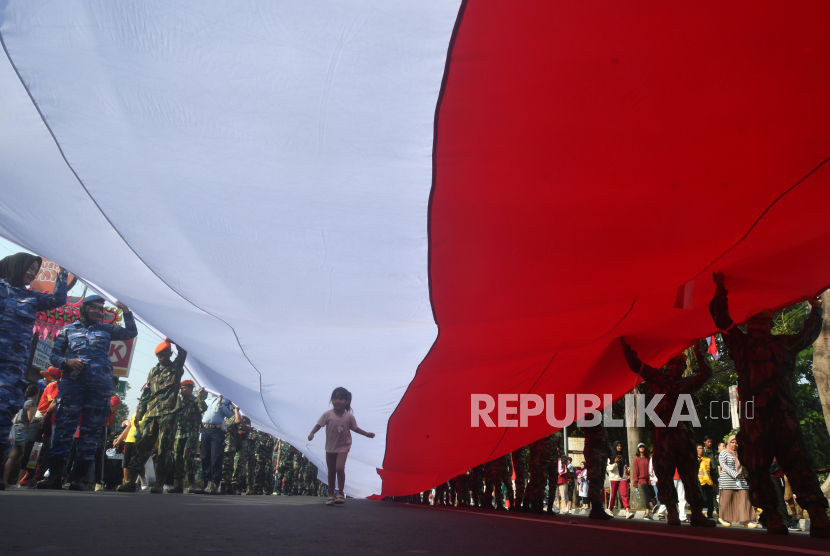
(122, 524)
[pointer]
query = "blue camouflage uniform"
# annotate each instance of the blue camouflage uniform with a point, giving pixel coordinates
(18, 311)
(89, 394)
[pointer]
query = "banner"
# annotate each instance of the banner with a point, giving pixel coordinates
(45, 280)
(43, 352)
(121, 356)
(120, 388)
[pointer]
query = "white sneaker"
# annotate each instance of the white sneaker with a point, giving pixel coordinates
(330, 502)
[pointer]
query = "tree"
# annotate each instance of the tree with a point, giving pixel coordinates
(123, 411)
(821, 371)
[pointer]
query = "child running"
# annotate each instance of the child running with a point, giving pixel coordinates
(339, 423)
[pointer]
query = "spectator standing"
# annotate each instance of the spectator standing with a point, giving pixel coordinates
(618, 476)
(18, 311)
(777, 478)
(561, 487)
(158, 409)
(735, 506)
(704, 477)
(104, 440)
(213, 443)
(42, 426)
(640, 477)
(21, 431)
(81, 350)
(582, 486)
(713, 454)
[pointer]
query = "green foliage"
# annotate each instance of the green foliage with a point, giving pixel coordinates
(715, 419)
(810, 414)
(123, 411)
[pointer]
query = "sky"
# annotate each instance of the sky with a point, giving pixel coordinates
(144, 357)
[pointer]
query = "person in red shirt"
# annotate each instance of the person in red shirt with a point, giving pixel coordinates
(46, 417)
(100, 454)
(640, 477)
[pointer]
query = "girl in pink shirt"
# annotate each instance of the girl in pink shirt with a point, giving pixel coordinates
(339, 423)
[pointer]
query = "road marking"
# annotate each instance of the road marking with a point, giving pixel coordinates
(639, 531)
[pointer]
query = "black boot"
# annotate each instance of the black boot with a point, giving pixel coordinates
(53, 481)
(78, 474)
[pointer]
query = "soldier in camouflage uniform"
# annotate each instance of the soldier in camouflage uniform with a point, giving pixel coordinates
(236, 427)
(553, 472)
(271, 477)
(440, 494)
(476, 484)
(187, 436)
(310, 477)
(158, 407)
(674, 447)
(82, 352)
(283, 457)
(503, 476)
(18, 311)
(766, 366)
(291, 471)
(519, 461)
(462, 490)
(243, 461)
(539, 464)
(264, 457)
(597, 455)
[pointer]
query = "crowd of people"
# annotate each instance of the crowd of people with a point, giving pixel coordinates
(175, 433)
(71, 422)
(757, 473)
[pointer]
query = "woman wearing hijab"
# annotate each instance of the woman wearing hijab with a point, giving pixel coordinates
(18, 310)
(734, 506)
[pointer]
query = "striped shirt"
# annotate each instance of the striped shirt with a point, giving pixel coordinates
(730, 479)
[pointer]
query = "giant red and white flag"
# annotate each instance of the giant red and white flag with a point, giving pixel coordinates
(419, 201)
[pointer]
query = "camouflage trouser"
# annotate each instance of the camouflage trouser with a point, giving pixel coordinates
(161, 429)
(503, 475)
(270, 478)
(539, 464)
(240, 469)
(91, 403)
(185, 449)
(250, 470)
(462, 489)
(9, 407)
(281, 474)
(227, 470)
(497, 473)
(596, 461)
(775, 432)
(440, 494)
(519, 460)
(261, 473)
(674, 448)
(476, 481)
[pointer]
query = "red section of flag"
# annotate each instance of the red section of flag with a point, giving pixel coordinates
(578, 148)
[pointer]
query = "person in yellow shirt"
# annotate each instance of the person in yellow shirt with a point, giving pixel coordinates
(127, 438)
(704, 477)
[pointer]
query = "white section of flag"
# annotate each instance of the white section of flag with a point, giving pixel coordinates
(258, 176)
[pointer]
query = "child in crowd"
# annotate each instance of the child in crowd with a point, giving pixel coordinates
(339, 422)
